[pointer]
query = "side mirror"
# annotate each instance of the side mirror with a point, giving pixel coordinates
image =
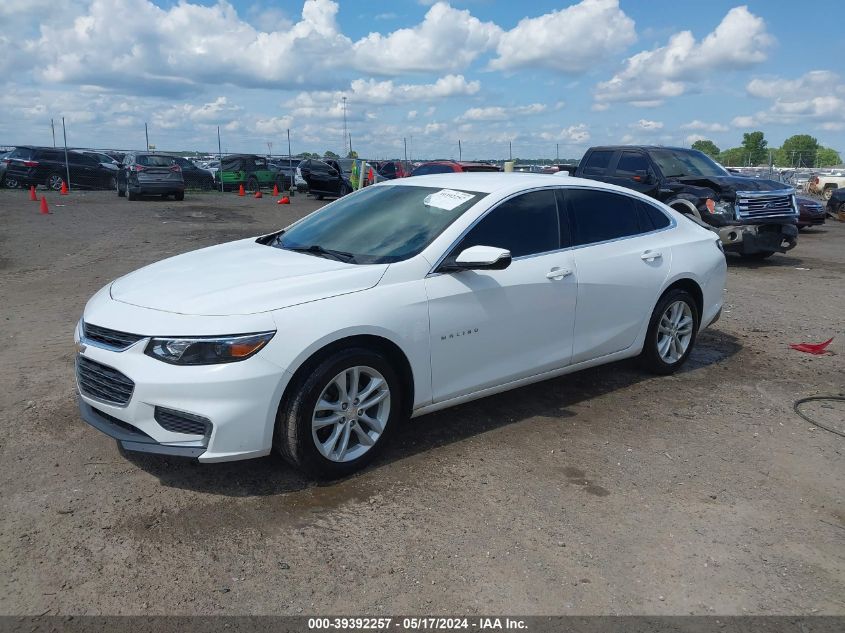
(479, 258)
(642, 176)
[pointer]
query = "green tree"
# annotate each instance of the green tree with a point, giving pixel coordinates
(755, 145)
(799, 151)
(330, 154)
(352, 154)
(708, 147)
(827, 157)
(734, 157)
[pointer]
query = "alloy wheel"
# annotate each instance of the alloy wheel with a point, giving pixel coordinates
(674, 332)
(351, 414)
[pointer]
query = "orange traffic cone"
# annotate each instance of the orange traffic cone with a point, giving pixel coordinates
(32, 195)
(258, 194)
(64, 188)
(44, 208)
(284, 200)
(275, 190)
(241, 191)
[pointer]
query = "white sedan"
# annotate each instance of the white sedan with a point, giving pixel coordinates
(406, 297)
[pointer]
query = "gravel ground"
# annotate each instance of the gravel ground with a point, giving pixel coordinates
(608, 491)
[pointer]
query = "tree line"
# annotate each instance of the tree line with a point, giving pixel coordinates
(800, 150)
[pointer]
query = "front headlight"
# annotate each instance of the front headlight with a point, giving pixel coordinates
(724, 207)
(207, 350)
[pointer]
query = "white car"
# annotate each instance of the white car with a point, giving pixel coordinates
(406, 297)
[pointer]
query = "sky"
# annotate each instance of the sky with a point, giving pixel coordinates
(533, 79)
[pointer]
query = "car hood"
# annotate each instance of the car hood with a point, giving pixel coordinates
(241, 277)
(732, 184)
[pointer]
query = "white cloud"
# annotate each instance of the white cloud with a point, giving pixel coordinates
(818, 97)
(704, 127)
(371, 92)
(447, 39)
(500, 113)
(692, 138)
(644, 125)
(575, 134)
(648, 78)
(569, 40)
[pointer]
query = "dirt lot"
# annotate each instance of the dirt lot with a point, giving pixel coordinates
(609, 491)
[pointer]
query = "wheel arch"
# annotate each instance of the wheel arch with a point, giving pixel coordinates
(374, 342)
(692, 287)
(682, 205)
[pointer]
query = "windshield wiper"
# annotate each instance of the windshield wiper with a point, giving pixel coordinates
(316, 249)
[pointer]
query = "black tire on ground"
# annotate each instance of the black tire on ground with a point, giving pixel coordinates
(54, 181)
(120, 192)
(11, 183)
(293, 438)
(252, 184)
(345, 190)
(319, 196)
(112, 182)
(130, 195)
(758, 256)
(827, 192)
(179, 195)
(650, 357)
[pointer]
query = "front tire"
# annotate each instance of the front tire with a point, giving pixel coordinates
(671, 332)
(339, 414)
(54, 181)
(179, 196)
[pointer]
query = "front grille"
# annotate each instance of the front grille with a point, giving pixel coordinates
(103, 383)
(112, 339)
(179, 422)
(764, 204)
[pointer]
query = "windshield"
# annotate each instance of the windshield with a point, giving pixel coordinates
(379, 225)
(677, 164)
(151, 160)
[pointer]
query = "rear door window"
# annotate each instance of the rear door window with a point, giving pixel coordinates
(21, 153)
(597, 163)
(599, 216)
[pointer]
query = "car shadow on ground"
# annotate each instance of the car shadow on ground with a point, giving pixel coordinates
(553, 398)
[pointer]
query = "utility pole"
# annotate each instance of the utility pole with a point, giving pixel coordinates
(220, 156)
(460, 156)
(510, 151)
(405, 143)
(557, 152)
(345, 131)
(53, 128)
(67, 165)
(269, 148)
(147, 136)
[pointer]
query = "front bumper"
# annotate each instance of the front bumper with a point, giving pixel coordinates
(755, 238)
(239, 399)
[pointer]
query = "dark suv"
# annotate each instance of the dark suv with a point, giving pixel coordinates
(144, 173)
(324, 178)
(29, 165)
(754, 217)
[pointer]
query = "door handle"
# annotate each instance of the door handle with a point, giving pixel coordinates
(650, 256)
(558, 273)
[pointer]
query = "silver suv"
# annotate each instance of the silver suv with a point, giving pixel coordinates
(143, 173)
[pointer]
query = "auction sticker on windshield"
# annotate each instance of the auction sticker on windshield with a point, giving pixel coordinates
(447, 199)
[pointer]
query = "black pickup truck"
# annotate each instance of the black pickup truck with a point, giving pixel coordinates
(753, 217)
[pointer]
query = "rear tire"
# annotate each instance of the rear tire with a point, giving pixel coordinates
(298, 430)
(671, 332)
(130, 195)
(120, 192)
(827, 192)
(179, 196)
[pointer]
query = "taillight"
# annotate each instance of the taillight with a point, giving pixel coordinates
(175, 168)
(30, 163)
(139, 168)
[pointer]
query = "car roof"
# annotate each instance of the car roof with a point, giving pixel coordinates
(502, 182)
(646, 147)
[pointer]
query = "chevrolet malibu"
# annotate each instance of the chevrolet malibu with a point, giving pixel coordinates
(406, 297)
